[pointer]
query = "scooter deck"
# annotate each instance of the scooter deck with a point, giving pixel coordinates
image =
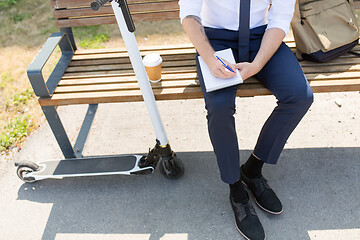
(89, 165)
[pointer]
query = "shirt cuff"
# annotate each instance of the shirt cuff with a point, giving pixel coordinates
(188, 12)
(277, 24)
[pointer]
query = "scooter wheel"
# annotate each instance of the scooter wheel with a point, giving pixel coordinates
(171, 168)
(25, 168)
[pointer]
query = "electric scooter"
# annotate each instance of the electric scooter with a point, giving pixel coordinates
(169, 164)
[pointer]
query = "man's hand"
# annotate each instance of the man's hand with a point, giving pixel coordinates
(247, 69)
(219, 70)
(269, 45)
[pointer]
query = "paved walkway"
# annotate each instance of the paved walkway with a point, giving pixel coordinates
(317, 178)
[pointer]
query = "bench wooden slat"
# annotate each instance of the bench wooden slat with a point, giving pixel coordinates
(119, 54)
(333, 68)
(95, 82)
(90, 21)
(335, 86)
(349, 60)
(121, 86)
(190, 92)
(130, 78)
(114, 67)
(107, 10)
(82, 12)
(71, 76)
(99, 62)
(151, 48)
(56, 4)
(122, 79)
(120, 72)
(122, 60)
(333, 76)
(117, 96)
(167, 54)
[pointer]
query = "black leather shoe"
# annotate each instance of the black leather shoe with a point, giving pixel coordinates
(247, 222)
(265, 197)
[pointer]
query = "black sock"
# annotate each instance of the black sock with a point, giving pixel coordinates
(238, 192)
(252, 167)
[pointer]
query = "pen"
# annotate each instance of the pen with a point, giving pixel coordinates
(224, 64)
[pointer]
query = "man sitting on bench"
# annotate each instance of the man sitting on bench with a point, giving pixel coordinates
(255, 34)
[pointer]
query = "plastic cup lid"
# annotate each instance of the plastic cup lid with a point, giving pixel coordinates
(152, 60)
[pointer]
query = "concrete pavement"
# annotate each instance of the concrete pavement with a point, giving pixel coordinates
(317, 178)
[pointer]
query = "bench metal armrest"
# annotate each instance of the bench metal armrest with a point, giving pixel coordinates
(41, 87)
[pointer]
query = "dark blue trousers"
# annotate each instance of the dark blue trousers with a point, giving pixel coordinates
(283, 76)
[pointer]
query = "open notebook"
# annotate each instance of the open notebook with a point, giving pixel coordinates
(213, 83)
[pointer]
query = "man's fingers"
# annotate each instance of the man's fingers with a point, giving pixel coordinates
(219, 74)
(230, 65)
(220, 71)
(227, 73)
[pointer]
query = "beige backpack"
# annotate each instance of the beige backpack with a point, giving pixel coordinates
(324, 29)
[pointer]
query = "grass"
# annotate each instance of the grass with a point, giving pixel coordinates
(19, 17)
(23, 97)
(4, 79)
(7, 3)
(95, 41)
(91, 37)
(19, 99)
(15, 131)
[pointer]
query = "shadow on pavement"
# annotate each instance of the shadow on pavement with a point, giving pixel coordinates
(319, 188)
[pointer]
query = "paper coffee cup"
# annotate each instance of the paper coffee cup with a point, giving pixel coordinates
(152, 64)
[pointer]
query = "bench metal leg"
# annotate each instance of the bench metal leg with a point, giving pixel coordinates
(59, 132)
(85, 129)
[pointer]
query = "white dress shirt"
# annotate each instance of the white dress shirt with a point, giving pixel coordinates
(224, 14)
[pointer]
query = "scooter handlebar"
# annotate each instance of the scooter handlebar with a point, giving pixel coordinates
(95, 5)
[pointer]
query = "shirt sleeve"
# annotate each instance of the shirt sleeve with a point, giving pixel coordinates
(190, 7)
(280, 14)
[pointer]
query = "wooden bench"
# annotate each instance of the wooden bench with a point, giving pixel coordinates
(106, 75)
